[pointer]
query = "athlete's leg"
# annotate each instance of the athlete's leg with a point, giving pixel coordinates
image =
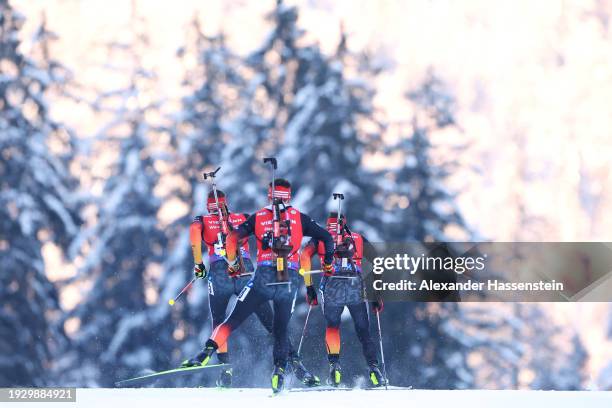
(265, 314)
(359, 313)
(283, 308)
(248, 300)
(332, 315)
(220, 290)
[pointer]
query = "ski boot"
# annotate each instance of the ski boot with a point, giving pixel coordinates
(377, 379)
(202, 358)
(335, 374)
(302, 374)
(225, 379)
(278, 379)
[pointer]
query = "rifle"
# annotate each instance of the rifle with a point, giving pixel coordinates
(281, 243)
(340, 198)
(342, 248)
(225, 228)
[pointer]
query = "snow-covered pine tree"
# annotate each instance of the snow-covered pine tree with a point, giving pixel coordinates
(37, 206)
(571, 374)
(518, 346)
(200, 133)
(322, 117)
(123, 325)
(250, 128)
(604, 379)
(556, 362)
(416, 192)
(491, 337)
(244, 178)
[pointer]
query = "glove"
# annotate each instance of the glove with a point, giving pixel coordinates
(233, 268)
(199, 270)
(311, 296)
(328, 269)
(378, 306)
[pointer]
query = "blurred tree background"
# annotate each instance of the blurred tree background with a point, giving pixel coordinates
(114, 205)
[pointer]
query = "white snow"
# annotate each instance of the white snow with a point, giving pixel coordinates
(208, 397)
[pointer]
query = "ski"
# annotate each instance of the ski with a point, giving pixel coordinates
(322, 389)
(330, 388)
(160, 374)
(388, 388)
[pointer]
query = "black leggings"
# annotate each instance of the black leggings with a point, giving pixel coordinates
(220, 291)
(253, 296)
(359, 313)
(218, 305)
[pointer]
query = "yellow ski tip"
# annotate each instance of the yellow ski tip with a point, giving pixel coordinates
(171, 302)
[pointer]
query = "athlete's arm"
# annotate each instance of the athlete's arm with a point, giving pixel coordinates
(313, 230)
(305, 255)
(244, 230)
(195, 236)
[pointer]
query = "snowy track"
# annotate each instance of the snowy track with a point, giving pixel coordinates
(250, 398)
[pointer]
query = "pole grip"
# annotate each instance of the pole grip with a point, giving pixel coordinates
(211, 174)
(272, 161)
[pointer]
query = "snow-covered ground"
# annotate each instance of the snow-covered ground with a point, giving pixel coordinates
(250, 398)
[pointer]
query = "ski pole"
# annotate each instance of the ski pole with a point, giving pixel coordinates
(171, 302)
(304, 330)
(274, 164)
(382, 352)
(303, 272)
(245, 274)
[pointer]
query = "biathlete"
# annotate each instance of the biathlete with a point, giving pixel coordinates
(343, 287)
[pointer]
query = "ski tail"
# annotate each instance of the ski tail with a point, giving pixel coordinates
(161, 374)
